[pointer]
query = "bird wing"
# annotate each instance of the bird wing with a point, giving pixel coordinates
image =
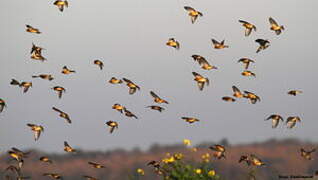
(154, 94)
(215, 41)
(188, 8)
(57, 110)
(244, 22)
(272, 21)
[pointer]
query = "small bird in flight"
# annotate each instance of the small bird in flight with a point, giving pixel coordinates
(68, 148)
(132, 86)
(36, 53)
(112, 125)
(190, 120)
(60, 4)
(46, 159)
(63, 115)
(219, 151)
(275, 27)
(60, 90)
(173, 43)
(44, 76)
(37, 129)
(203, 62)
(236, 92)
(65, 70)
(256, 161)
(99, 63)
(275, 119)
(96, 165)
(25, 85)
(157, 99)
(201, 81)
(32, 29)
(263, 44)
(246, 62)
(219, 45)
(248, 27)
(158, 108)
(2, 105)
(53, 175)
(193, 13)
(291, 121)
(294, 92)
(248, 73)
(130, 114)
(228, 99)
(114, 80)
(252, 97)
(306, 154)
(118, 107)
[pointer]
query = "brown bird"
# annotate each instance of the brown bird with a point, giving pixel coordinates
(158, 108)
(190, 120)
(201, 81)
(99, 63)
(18, 154)
(89, 177)
(275, 119)
(2, 105)
(53, 175)
(219, 151)
(36, 53)
(219, 45)
(26, 86)
(114, 80)
(32, 29)
(193, 13)
(132, 86)
(245, 159)
(263, 44)
(246, 62)
(46, 159)
(203, 62)
(173, 43)
(60, 4)
(157, 99)
(251, 96)
(130, 114)
(63, 115)
(275, 27)
(68, 148)
(248, 27)
(248, 73)
(118, 107)
(44, 76)
(37, 129)
(256, 161)
(294, 92)
(112, 125)
(155, 164)
(96, 165)
(228, 99)
(65, 70)
(60, 90)
(236, 92)
(306, 154)
(291, 121)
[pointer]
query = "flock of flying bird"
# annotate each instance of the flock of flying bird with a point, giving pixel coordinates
(219, 150)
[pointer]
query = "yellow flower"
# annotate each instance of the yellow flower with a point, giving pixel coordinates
(206, 157)
(178, 156)
(168, 160)
(187, 142)
(140, 171)
(198, 171)
(211, 173)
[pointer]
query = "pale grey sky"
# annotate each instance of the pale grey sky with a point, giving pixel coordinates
(129, 37)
